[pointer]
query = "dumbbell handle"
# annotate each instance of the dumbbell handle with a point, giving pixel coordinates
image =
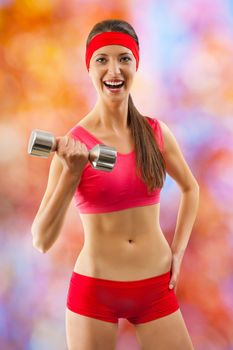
(42, 143)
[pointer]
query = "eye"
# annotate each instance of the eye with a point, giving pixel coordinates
(126, 58)
(100, 59)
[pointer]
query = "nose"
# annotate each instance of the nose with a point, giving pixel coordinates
(114, 67)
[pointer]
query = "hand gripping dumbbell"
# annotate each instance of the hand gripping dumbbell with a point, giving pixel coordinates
(42, 143)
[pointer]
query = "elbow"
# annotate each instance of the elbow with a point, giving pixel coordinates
(195, 186)
(40, 248)
(195, 190)
(36, 242)
(192, 186)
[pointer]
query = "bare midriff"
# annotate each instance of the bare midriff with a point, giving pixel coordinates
(124, 245)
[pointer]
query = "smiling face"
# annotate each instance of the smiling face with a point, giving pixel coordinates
(112, 70)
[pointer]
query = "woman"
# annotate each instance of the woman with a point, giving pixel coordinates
(126, 268)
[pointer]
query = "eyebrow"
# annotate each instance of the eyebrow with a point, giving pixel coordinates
(121, 54)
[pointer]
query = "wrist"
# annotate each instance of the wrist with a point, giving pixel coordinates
(70, 175)
(177, 253)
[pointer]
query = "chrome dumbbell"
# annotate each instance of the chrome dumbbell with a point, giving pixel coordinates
(42, 143)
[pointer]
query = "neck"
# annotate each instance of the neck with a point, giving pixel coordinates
(111, 116)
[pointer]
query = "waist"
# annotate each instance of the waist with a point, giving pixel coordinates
(125, 257)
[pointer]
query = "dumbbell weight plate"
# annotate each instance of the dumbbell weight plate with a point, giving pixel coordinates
(103, 157)
(41, 143)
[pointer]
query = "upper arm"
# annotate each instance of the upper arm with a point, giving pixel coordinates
(55, 171)
(175, 163)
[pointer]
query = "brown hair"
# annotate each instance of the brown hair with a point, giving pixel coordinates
(149, 160)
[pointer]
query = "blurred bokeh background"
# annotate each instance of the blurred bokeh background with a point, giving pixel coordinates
(185, 78)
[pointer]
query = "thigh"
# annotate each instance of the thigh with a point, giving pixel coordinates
(164, 333)
(86, 333)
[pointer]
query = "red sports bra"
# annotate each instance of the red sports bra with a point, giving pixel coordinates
(101, 192)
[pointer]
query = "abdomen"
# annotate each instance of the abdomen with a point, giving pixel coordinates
(129, 245)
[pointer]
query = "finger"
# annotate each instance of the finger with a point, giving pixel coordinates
(84, 148)
(77, 146)
(72, 143)
(171, 285)
(172, 282)
(58, 140)
(66, 140)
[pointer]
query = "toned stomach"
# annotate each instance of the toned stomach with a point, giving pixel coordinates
(124, 245)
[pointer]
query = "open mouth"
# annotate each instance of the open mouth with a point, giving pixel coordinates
(114, 86)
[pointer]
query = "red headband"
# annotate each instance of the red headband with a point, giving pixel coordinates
(112, 38)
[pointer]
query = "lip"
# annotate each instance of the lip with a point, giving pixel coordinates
(114, 90)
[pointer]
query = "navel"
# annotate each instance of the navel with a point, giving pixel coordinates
(130, 241)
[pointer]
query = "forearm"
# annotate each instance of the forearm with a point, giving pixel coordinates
(185, 220)
(47, 225)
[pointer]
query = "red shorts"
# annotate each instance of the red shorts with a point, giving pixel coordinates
(138, 301)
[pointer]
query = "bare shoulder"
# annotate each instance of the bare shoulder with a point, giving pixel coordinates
(86, 122)
(169, 140)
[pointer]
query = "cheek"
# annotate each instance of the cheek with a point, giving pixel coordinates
(130, 74)
(96, 79)
(133, 68)
(97, 73)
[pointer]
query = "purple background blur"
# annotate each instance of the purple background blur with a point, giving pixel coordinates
(185, 78)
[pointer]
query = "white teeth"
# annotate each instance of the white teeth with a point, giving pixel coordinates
(114, 83)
